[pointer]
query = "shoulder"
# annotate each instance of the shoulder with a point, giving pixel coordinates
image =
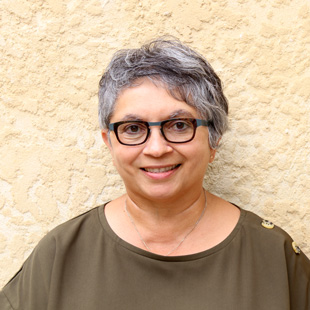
(53, 250)
(264, 229)
(272, 252)
(272, 241)
(68, 244)
(56, 244)
(76, 230)
(86, 220)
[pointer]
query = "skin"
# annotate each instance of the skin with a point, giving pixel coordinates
(164, 205)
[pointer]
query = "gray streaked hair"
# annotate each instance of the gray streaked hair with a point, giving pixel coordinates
(185, 74)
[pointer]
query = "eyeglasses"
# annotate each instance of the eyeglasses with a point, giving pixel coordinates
(177, 130)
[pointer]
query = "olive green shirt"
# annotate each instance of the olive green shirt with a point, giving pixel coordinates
(84, 265)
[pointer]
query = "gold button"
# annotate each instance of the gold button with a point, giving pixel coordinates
(296, 248)
(267, 224)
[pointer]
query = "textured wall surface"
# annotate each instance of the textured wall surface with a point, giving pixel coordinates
(53, 164)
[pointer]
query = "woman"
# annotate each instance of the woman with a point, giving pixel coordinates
(167, 243)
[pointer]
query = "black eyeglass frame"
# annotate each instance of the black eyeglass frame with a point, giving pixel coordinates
(195, 121)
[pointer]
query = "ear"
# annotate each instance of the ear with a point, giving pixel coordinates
(212, 155)
(106, 138)
(213, 152)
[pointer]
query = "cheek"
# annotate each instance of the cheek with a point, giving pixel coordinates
(124, 159)
(201, 157)
(200, 148)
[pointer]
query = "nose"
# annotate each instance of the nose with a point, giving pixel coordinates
(156, 145)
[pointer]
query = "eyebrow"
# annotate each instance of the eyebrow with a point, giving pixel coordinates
(174, 114)
(182, 113)
(131, 117)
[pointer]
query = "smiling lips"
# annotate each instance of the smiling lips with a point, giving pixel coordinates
(160, 170)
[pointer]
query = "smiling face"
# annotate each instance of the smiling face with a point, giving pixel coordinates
(158, 170)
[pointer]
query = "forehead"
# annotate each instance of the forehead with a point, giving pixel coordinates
(150, 102)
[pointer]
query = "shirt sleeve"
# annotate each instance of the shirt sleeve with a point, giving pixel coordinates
(4, 303)
(28, 289)
(299, 277)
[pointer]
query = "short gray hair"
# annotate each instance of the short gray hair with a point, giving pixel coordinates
(183, 72)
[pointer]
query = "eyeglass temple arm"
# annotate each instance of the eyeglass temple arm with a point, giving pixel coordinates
(202, 122)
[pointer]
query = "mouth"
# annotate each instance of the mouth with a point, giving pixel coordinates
(161, 169)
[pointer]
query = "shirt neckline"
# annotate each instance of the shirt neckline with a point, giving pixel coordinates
(189, 257)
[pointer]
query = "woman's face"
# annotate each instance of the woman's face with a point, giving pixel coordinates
(158, 170)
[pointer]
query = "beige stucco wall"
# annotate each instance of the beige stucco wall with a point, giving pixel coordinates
(53, 164)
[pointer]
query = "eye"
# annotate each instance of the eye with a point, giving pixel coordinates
(179, 125)
(132, 128)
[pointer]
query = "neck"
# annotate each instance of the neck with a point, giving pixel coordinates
(165, 209)
(162, 227)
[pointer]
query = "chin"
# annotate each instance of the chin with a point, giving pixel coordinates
(160, 193)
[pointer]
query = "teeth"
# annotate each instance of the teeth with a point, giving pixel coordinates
(158, 170)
